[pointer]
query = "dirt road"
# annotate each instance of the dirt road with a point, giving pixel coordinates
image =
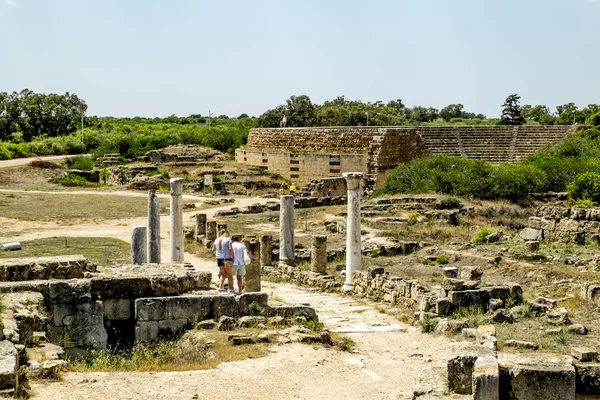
(24, 161)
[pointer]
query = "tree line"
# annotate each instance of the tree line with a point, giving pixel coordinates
(300, 111)
(26, 115)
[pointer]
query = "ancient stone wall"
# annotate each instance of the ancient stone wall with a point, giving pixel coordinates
(320, 187)
(302, 154)
(563, 224)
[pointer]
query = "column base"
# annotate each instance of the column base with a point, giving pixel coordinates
(348, 287)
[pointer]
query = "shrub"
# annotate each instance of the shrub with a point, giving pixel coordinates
(314, 326)
(413, 218)
(585, 186)
(513, 180)
(428, 324)
(442, 260)
(104, 174)
(345, 343)
(5, 154)
(18, 149)
(585, 204)
(593, 119)
(450, 203)
(73, 180)
(481, 234)
(80, 162)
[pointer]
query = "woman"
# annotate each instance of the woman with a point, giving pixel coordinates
(224, 255)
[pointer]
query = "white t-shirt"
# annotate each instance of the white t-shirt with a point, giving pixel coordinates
(238, 253)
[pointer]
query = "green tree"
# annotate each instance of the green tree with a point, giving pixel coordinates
(511, 111)
(451, 111)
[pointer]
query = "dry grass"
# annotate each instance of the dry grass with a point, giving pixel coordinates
(101, 251)
(65, 206)
(196, 350)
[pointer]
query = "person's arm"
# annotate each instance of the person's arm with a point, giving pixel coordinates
(231, 252)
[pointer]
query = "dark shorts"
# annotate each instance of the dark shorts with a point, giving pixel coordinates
(220, 262)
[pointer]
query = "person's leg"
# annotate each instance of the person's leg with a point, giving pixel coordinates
(229, 273)
(240, 282)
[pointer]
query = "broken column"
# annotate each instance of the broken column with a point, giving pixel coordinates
(211, 232)
(138, 245)
(200, 224)
(266, 250)
(153, 228)
(252, 278)
(221, 227)
(176, 220)
(353, 244)
(318, 254)
(286, 230)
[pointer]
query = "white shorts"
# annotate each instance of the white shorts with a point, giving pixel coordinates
(239, 270)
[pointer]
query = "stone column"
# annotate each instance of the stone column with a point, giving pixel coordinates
(211, 232)
(153, 228)
(286, 231)
(252, 278)
(318, 254)
(353, 242)
(200, 224)
(138, 245)
(176, 220)
(266, 250)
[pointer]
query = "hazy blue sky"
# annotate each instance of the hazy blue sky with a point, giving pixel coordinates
(150, 57)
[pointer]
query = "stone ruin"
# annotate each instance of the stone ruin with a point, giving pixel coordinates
(302, 154)
(563, 224)
(59, 307)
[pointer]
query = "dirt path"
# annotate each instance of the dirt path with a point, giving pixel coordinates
(25, 161)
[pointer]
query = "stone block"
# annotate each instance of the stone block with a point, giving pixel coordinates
(588, 378)
(117, 309)
(431, 381)
(471, 273)
(467, 298)
(292, 311)
(206, 324)
(497, 292)
(173, 326)
(536, 377)
(520, 344)
(567, 225)
(530, 234)
(461, 365)
(486, 379)
(188, 307)
(496, 304)
(450, 325)
(577, 329)
(9, 365)
(150, 309)
(535, 222)
(559, 316)
(532, 245)
(237, 341)
(502, 316)
(224, 305)
(453, 284)
(71, 291)
(146, 331)
(516, 292)
(246, 299)
(450, 272)
(584, 354)
(60, 311)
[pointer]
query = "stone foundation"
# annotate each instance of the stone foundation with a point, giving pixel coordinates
(563, 224)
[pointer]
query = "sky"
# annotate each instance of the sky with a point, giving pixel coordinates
(157, 58)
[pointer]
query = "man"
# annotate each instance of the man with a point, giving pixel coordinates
(283, 121)
(239, 267)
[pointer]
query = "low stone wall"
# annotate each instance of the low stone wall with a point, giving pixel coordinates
(62, 267)
(320, 187)
(563, 224)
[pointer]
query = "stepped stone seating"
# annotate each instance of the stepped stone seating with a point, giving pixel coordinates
(302, 154)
